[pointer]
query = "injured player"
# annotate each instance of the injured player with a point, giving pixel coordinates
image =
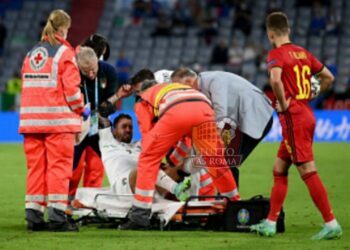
(120, 156)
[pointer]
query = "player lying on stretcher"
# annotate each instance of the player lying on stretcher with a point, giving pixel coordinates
(120, 156)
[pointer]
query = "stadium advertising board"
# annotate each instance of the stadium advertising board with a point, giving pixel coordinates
(331, 126)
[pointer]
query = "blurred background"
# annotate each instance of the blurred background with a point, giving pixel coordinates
(164, 34)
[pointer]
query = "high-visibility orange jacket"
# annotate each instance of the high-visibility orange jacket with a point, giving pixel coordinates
(181, 151)
(159, 98)
(51, 100)
(166, 113)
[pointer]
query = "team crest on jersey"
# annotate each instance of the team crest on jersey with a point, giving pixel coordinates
(103, 83)
(38, 58)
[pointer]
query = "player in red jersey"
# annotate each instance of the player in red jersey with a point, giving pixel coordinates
(291, 67)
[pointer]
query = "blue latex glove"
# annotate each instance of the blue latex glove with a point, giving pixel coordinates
(86, 113)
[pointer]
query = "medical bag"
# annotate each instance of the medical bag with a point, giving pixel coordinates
(240, 215)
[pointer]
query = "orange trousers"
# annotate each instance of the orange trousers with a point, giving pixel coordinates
(49, 162)
(196, 119)
(91, 164)
(206, 185)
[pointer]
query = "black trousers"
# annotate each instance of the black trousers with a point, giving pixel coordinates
(91, 141)
(240, 148)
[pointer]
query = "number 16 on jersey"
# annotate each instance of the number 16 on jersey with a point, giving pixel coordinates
(303, 75)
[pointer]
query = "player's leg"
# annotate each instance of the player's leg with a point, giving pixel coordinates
(165, 183)
(277, 198)
(301, 138)
(318, 193)
(279, 189)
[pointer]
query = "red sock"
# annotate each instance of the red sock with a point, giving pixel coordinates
(278, 195)
(319, 195)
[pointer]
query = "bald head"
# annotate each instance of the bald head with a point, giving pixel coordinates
(185, 76)
(87, 62)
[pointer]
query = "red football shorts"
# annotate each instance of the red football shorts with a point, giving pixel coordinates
(298, 127)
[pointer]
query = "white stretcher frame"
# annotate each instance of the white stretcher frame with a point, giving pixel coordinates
(162, 209)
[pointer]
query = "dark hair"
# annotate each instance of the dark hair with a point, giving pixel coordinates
(142, 75)
(278, 23)
(98, 43)
(119, 117)
(146, 84)
(183, 72)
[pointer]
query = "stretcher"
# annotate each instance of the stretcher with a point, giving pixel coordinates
(103, 206)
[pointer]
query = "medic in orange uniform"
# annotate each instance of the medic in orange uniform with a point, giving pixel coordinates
(50, 112)
(166, 113)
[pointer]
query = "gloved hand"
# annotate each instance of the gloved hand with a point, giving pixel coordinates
(86, 113)
(106, 108)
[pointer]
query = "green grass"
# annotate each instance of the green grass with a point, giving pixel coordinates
(302, 219)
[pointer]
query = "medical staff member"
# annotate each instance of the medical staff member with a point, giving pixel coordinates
(99, 84)
(90, 168)
(243, 113)
(166, 113)
(51, 106)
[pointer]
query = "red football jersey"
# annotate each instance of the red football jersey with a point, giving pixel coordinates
(298, 65)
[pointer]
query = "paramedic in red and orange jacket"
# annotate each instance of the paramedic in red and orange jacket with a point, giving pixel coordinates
(51, 106)
(166, 113)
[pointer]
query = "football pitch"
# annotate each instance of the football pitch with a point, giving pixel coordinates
(302, 218)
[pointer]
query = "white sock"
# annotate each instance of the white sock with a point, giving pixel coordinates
(270, 222)
(332, 224)
(164, 181)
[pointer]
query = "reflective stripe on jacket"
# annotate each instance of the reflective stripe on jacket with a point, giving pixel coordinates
(156, 100)
(181, 151)
(51, 100)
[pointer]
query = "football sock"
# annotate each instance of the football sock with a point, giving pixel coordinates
(164, 181)
(319, 195)
(332, 224)
(270, 222)
(278, 195)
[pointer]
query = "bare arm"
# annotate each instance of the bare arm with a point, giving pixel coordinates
(326, 79)
(123, 91)
(278, 89)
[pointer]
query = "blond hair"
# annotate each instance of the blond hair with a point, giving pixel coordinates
(57, 19)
